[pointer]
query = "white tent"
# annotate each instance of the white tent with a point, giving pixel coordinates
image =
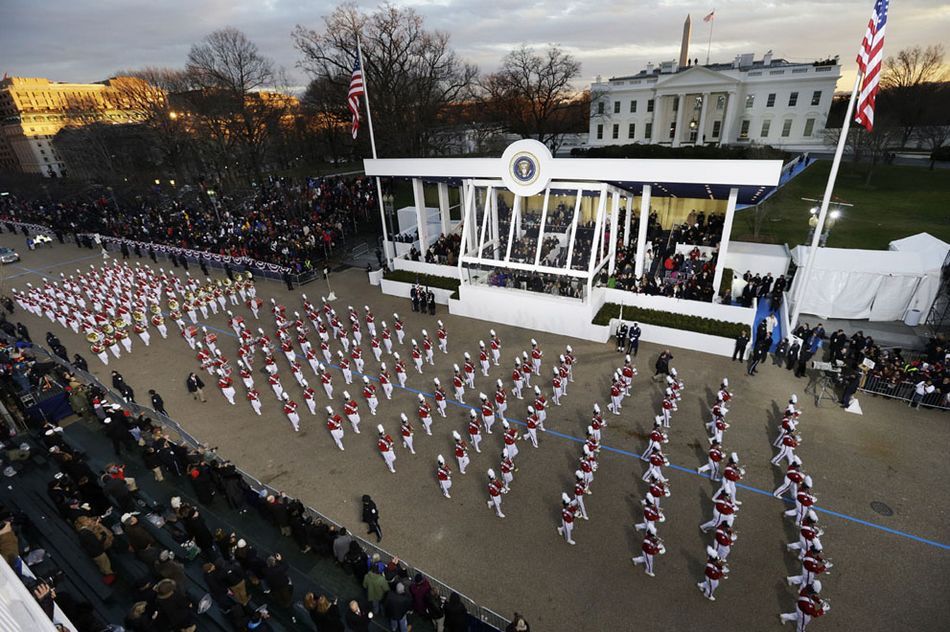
(933, 254)
(877, 285)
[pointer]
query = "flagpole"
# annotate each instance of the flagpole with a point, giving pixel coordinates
(822, 214)
(712, 21)
(372, 142)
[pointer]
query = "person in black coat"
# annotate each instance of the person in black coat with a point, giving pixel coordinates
(201, 482)
(80, 363)
(663, 364)
(217, 588)
(23, 333)
(430, 299)
(175, 609)
(633, 339)
(277, 578)
(742, 341)
(198, 530)
(791, 358)
(371, 517)
(621, 334)
(324, 613)
(357, 620)
(778, 358)
(396, 606)
(158, 404)
(456, 614)
(195, 386)
(117, 381)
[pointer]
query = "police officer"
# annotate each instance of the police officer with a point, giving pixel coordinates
(622, 336)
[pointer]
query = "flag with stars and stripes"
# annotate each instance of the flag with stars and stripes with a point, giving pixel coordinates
(870, 60)
(353, 97)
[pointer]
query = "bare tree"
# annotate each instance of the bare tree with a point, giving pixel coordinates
(411, 73)
(232, 73)
(532, 94)
(908, 83)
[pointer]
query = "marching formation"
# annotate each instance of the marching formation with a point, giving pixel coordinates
(105, 303)
(808, 549)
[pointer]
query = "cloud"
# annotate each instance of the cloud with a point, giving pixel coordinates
(88, 40)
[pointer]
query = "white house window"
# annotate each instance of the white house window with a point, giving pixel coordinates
(765, 128)
(633, 106)
(809, 128)
(744, 129)
(616, 107)
(793, 99)
(770, 102)
(632, 131)
(717, 127)
(600, 132)
(816, 97)
(648, 130)
(616, 131)
(600, 107)
(749, 101)
(786, 128)
(650, 104)
(721, 102)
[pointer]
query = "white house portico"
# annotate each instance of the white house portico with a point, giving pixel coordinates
(768, 101)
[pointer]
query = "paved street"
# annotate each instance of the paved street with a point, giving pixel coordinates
(889, 573)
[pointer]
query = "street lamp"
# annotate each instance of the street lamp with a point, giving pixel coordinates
(834, 214)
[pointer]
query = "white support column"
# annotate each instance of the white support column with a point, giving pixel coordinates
(495, 229)
(544, 218)
(418, 194)
(570, 243)
(627, 221)
(445, 215)
(678, 132)
(515, 219)
(467, 202)
(642, 232)
(726, 131)
(614, 221)
(599, 221)
(724, 242)
(701, 130)
(486, 212)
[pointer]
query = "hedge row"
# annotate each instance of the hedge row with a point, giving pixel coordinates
(426, 280)
(665, 319)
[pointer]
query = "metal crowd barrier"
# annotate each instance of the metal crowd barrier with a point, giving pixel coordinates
(112, 245)
(482, 614)
(903, 391)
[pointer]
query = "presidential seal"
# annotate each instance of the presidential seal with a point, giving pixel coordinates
(524, 168)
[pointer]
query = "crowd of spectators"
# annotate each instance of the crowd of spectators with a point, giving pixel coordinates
(284, 223)
(923, 377)
(156, 548)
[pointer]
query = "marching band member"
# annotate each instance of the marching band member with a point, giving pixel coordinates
(651, 547)
(495, 490)
(352, 412)
(335, 426)
(369, 394)
(444, 476)
(568, 513)
(290, 409)
(715, 571)
(461, 451)
(386, 448)
(474, 432)
(440, 396)
(405, 429)
(425, 414)
(254, 399)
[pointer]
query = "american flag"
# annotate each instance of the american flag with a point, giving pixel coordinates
(870, 58)
(353, 97)
(709, 18)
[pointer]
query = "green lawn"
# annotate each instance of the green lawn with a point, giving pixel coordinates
(899, 201)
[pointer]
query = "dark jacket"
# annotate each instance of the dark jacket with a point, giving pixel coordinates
(356, 623)
(193, 383)
(396, 606)
(329, 621)
(456, 615)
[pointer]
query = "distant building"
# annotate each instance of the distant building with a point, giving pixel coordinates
(33, 110)
(769, 101)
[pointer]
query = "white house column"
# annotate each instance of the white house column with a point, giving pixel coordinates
(495, 237)
(678, 132)
(627, 220)
(418, 193)
(444, 213)
(701, 130)
(642, 232)
(724, 242)
(726, 131)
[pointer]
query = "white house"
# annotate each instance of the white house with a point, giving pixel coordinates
(770, 101)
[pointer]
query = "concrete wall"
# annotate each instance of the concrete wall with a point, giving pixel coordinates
(421, 267)
(690, 340)
(728, 313)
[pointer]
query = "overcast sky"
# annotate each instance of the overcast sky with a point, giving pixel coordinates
(88, 40)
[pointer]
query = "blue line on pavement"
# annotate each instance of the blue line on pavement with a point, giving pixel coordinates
(42, 274)
(679, 468)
